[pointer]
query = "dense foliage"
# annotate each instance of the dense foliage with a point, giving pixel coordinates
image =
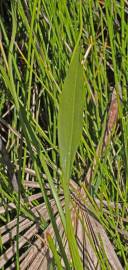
(48, 221)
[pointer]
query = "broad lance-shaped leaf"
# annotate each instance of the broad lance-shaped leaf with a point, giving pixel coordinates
(71, 114)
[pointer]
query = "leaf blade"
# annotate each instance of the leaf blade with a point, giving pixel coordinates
(71, 114)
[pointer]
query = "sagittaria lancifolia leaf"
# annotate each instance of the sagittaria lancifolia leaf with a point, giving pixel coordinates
(70, 117)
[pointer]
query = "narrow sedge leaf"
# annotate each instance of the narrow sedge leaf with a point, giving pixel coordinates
(71, 114)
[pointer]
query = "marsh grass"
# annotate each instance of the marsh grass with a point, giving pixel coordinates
(37, 44)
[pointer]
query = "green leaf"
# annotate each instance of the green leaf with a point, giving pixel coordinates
(71, 114)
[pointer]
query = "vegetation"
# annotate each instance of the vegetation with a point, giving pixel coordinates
(63, 134)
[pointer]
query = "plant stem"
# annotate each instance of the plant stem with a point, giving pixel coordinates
(77, 264)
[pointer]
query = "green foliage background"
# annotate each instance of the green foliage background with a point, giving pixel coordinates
(38, 38)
